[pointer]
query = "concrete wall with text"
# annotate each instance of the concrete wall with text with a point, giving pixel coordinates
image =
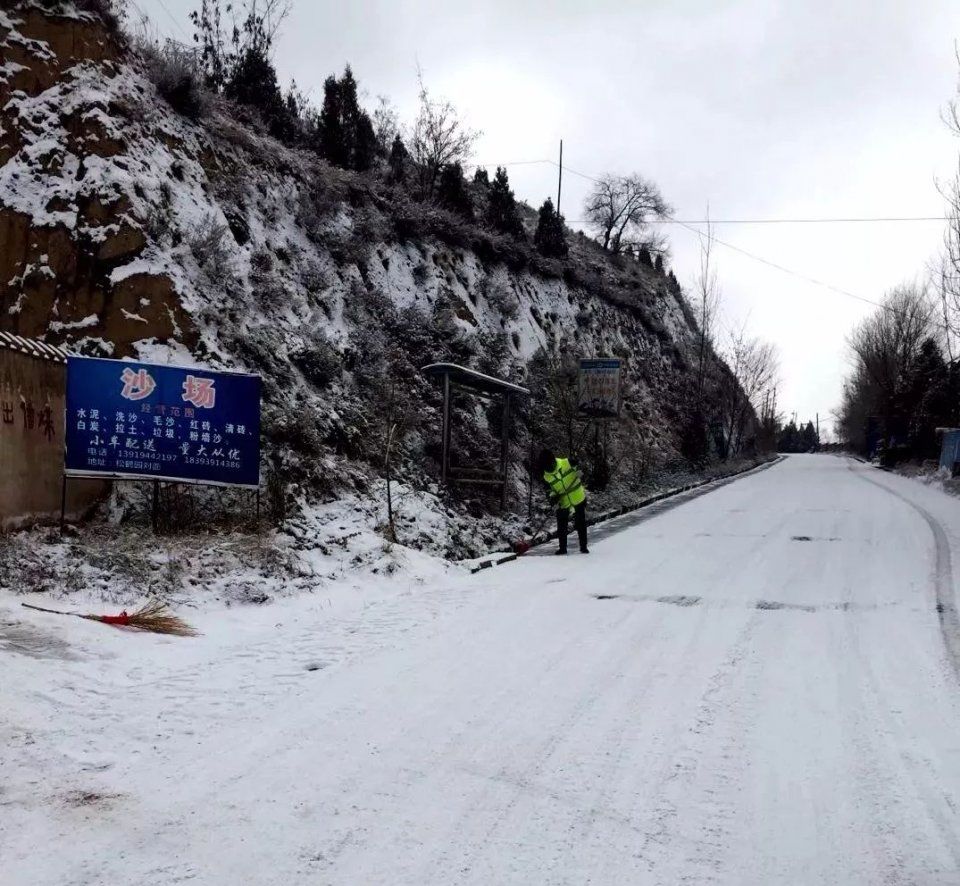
(31, 443)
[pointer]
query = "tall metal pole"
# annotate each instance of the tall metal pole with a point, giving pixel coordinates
(505, 448)
(63, 504)
(446, 426)
(530, 481)
(560, 177)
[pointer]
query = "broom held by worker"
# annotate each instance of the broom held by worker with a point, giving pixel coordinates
(567, 493)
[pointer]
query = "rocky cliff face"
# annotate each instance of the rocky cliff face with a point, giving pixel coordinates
(70, 153)
(127, 230)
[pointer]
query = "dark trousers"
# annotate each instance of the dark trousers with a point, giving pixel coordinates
(579, 522)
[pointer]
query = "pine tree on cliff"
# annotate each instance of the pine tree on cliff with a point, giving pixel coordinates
(452, 191)
(658, 264)
(246, 73)
(345, 132)
(481, 177)
(398, 160)
(550, 238)
(253, 82)
(502, 214)
(331, 138)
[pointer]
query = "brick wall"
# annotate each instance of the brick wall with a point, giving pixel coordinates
(31, 443)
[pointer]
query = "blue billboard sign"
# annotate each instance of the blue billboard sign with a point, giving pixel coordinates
(135, 420)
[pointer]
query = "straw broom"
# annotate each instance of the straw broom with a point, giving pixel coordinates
(155, 616)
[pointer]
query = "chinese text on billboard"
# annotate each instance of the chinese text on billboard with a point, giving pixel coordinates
(599, 388)
(140, 420)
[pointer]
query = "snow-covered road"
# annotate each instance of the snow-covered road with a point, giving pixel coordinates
(758, 686)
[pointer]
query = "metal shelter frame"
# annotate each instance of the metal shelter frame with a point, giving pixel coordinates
(486, 387)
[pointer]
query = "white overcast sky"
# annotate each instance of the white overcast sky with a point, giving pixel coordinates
(764, 109)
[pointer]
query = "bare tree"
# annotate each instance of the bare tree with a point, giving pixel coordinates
(768, 421)
(439, 138)
(886, 343)
(253, 27)
(619, 209)
(946, 272)
(553, 415)
(385, 124)
(886, 351)
(751, 380)
(708, 294)
(393, 419)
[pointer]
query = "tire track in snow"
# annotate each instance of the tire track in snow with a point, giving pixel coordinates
(613, 657)
(943, 574)
(893, 744)
(695, 807)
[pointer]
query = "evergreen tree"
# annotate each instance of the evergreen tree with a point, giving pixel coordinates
(928, 398)
(658, 264)
(481, 178)
(345, 131)
(550, 238)
(253, 82)
(789, 438)
(398, 160)
(809, 442)
(502, 214)
(365, 144)
(452, 191)
(331, 135)
(644, 257)
(240, 66)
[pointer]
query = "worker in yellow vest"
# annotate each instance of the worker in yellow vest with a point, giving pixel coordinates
(567, 493)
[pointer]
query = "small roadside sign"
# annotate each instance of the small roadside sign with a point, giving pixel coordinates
(598, 394)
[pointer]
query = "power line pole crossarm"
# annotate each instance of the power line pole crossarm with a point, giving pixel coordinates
(560, 176)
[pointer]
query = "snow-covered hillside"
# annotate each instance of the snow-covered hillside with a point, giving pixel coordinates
(131, 230)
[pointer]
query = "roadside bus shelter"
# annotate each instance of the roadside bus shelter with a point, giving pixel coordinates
(453, 378)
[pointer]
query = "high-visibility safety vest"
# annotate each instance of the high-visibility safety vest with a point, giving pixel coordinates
(564, 482)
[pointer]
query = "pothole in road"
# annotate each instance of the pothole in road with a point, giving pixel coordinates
(775, 604)
(679, 600)
(814, 538)
(80, 799)
(671, 600)
(315, 665)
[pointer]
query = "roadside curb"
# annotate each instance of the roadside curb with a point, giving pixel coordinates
(498, 558)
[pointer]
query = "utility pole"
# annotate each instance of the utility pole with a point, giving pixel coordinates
(560, 177)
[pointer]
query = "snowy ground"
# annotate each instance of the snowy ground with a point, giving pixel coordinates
(770, 696)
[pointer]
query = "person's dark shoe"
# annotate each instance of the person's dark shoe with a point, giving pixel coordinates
(559, 553)
(584, 550)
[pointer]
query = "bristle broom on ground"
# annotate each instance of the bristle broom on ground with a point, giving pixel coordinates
(154, 617)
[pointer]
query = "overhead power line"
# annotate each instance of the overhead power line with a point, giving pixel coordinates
(174, 19)
(758, 258)
(796, 221)
(782, 221)
(781, 268)
(146, 18)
